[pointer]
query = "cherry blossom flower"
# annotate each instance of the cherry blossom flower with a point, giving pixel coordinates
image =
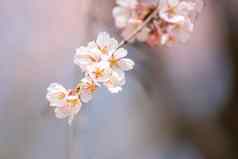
(119, 65)
(85, 57)
(66, 102)
(100, 72)
(115, 82)
(105, 44)
(87, 88)
(172, 10)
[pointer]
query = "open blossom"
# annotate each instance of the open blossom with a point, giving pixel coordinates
(85, 57)
(100, 72)
(115, 82)
(175, 10)
(104, 63)
(87, 88)
(119, 64)
(66, 102)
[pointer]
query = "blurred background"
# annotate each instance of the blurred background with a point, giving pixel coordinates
(178, 103)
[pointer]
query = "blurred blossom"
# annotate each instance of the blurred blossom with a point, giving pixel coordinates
(173, 23)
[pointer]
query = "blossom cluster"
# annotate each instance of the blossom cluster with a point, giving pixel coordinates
(103, 63)
(173, 22)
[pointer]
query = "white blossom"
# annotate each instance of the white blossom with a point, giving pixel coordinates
(115, 82)
(99, 72)
(66, 102)
(88, 87)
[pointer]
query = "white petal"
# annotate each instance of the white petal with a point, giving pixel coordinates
(126, 64)
(105, 41)
(55, 95)
(86, 96)
(76, 109)
(189, 26)
(86, 56)
(59, 113)
(104, 65)
(120, 12)
(115, 82)
(54, 101)
(56, 87)
(122, 16)
(102, 39)
(119, 75)
(120, 53)
(186, 6)
(70, 119)
(172, 19)
(114, 89)
(127, 3)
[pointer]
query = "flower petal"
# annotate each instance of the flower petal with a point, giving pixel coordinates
(100, 72)
(106, 44)
(126, 64)
(120, 53)
(56, 94)
(60, 113)
(56, 87)
(127, 3)
(85, 96)
(114, 89)
(121, 16)
(70, 119)
(115, 83)
(86, 56)
(172, 19)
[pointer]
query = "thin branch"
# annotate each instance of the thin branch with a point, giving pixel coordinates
(139, 28)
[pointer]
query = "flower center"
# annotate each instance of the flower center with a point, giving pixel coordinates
(99, 72)
(60, 95)
(113, 61)
(73, 102)
(104, 50)
(91, 87)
